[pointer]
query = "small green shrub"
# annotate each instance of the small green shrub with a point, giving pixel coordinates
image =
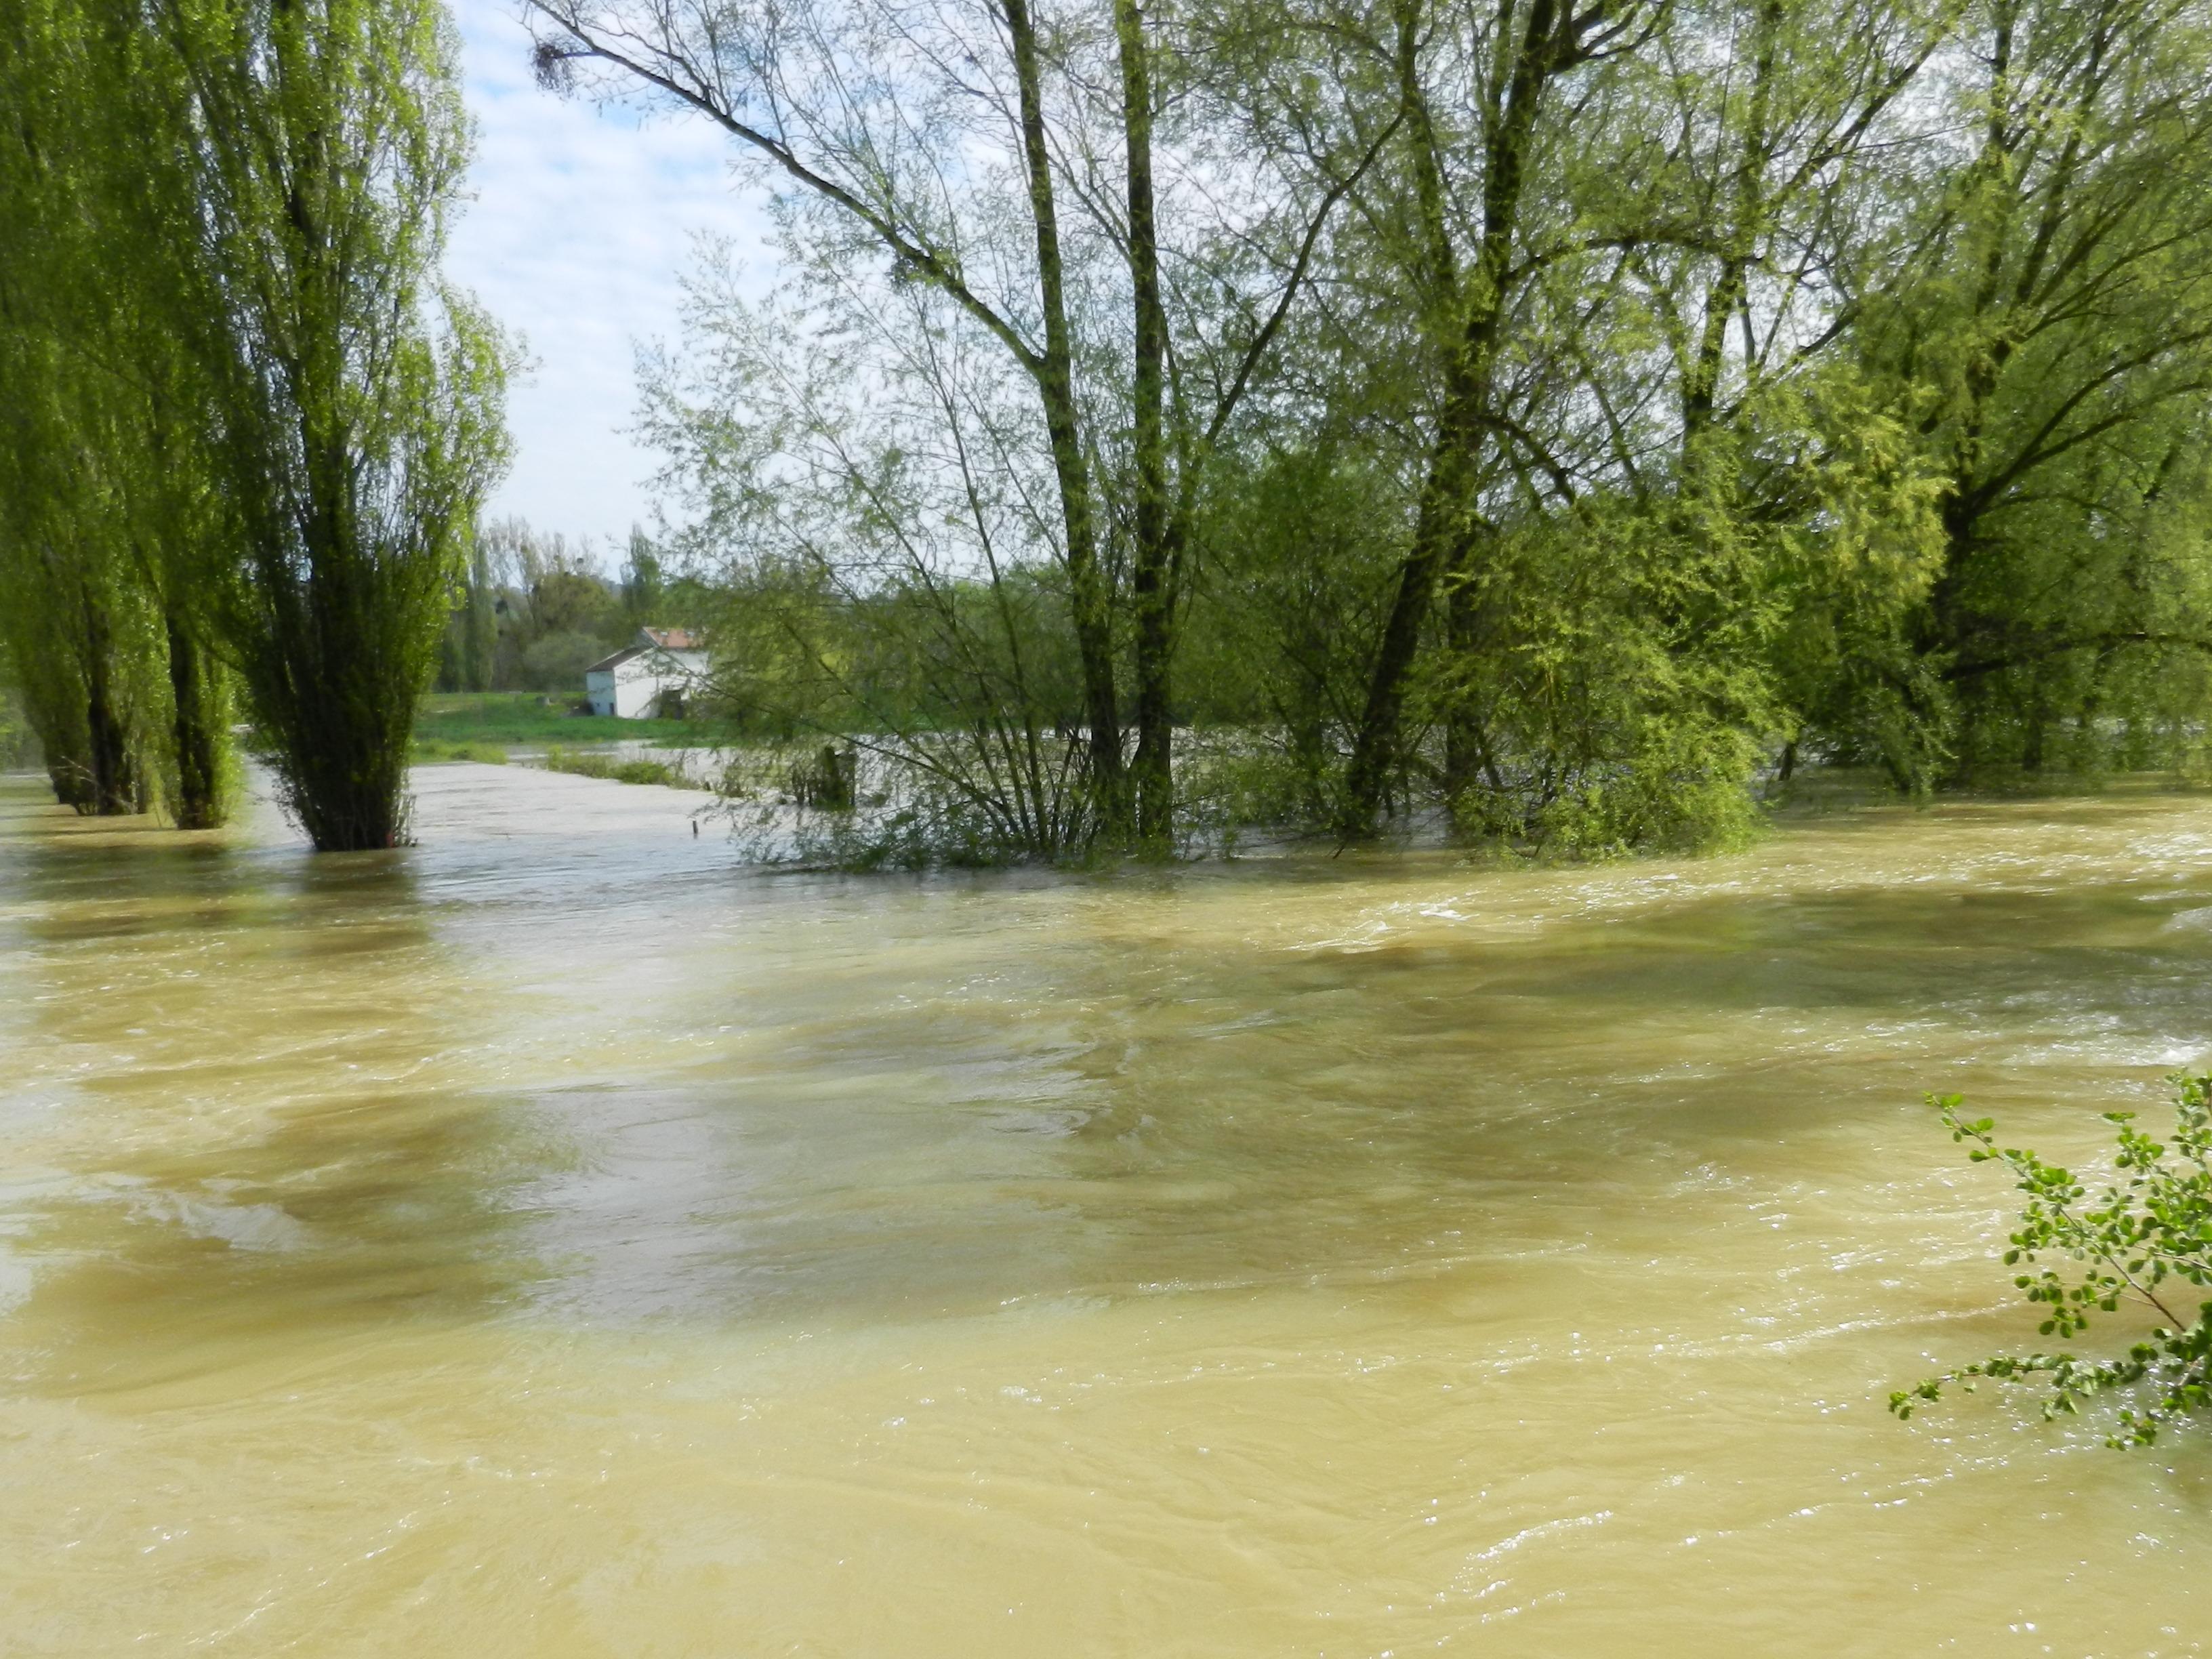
(557, 662)
(585, 765)
(428, 751)
(534, 719)
(2136, 1244)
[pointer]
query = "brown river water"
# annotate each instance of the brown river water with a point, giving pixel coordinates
(555, 1240)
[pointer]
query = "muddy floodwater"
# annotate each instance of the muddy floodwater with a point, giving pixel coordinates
(555, 1240)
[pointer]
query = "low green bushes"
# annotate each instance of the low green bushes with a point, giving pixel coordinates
(585, 765)
(532, 718)
(431, 749)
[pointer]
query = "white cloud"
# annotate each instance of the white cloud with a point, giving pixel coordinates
(578, 235)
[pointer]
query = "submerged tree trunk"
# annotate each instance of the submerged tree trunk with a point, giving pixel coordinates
(336, 673)
(196, 730)
(1152, 571)
(57, 716)
(1375, 754)
(113, 786)
(70, 782)
(1446, 535)
(50, 680)
(1055, 373)
(1466, 758)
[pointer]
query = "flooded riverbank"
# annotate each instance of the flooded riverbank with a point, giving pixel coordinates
(554, 1240)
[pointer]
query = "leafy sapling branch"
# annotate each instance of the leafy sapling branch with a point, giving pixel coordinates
(2140, 1242)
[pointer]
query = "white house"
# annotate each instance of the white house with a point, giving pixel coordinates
(654, 675)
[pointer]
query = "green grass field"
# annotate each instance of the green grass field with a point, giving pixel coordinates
(452, 720)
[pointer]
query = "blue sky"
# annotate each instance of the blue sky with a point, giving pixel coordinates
(578, 235)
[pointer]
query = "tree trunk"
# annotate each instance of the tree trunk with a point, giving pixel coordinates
(1375, 754)
(1466, 755)
(1443, 536)
(113, 790)
(198, 743)
(1055, 381)
(346, 767)
(71, 783)
(1151, 573)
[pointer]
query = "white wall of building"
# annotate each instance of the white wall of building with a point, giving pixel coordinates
(631, 691)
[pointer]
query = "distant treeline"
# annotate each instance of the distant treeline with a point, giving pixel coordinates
(1541, 420)
(531, 611)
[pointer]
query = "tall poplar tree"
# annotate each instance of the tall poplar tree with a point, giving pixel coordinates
(353, 404)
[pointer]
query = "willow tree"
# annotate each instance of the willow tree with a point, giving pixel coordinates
(74, 616)
(1616, 226)
(353, 404)
(103, 528)
(2044, 324)
(1715, 493)
(82, 634)
(1088, 200)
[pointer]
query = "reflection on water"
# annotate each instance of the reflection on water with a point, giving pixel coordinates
(554, 1240)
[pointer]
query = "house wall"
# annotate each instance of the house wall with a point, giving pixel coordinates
(631, 690)
(635, 693)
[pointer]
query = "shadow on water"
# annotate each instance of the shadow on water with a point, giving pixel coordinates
(1720, 1021)
(246, 1106)
(971, 1120)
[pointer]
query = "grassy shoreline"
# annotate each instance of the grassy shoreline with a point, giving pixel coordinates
(484, 725)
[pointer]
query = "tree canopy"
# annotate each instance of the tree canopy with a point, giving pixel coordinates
(1542, 418)
(248, 428)
(1537, 422)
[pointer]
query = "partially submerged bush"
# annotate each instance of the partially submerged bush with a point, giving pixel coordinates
(586, 765)
(825, 779)
(912, 803)
(427, 750)
(1236, 787)
(2137, 1243)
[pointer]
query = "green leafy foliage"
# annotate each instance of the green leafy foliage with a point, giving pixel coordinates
(483, 754)
(1553, 424)
(1647, 398)
(528, 718)
(2039, 313)
(586, 764)
(108, 535)
(19, 743)
(2142, 1243)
